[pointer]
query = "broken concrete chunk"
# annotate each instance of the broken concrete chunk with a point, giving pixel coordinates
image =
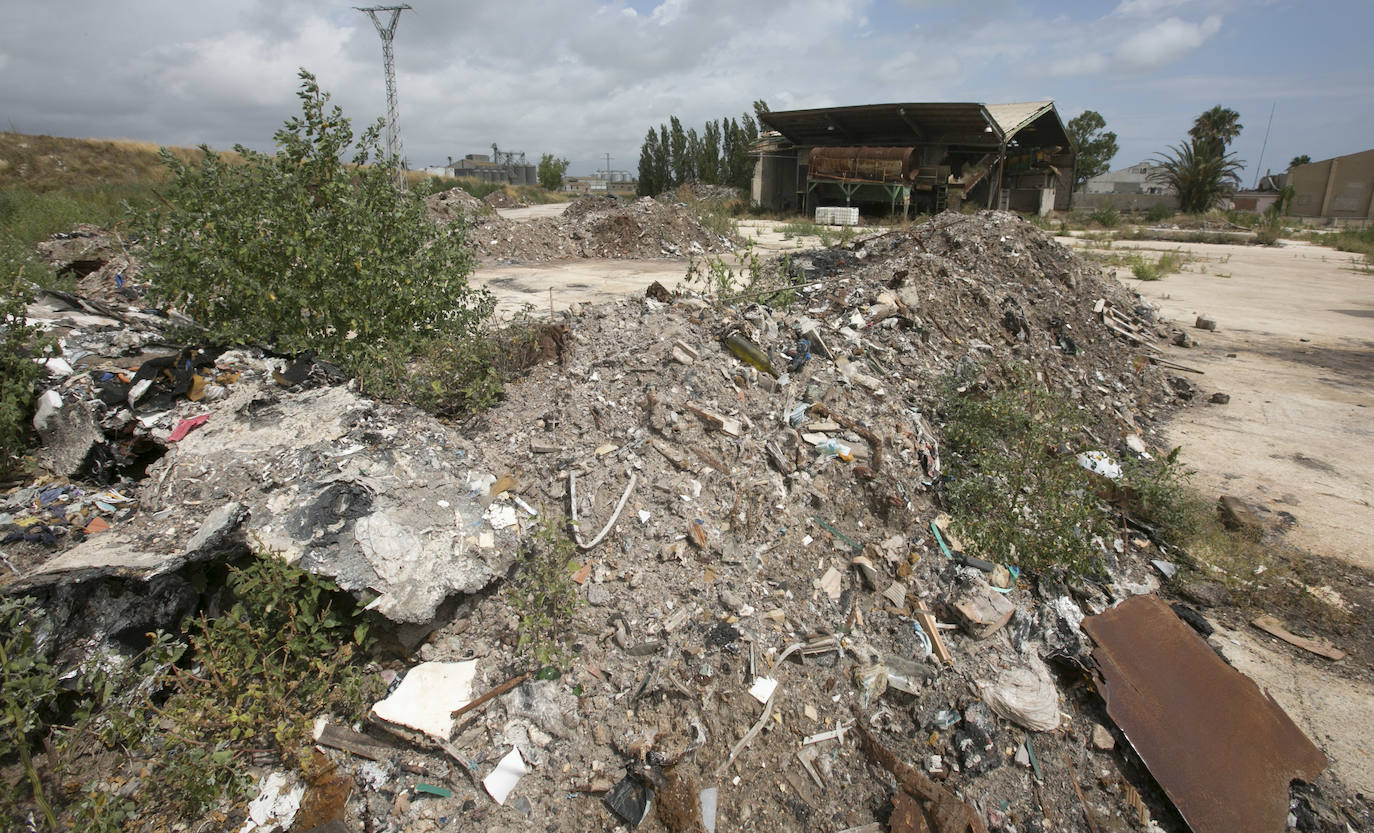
(1205, 323)
(1182, 708)
(981, 610)
(69, 433)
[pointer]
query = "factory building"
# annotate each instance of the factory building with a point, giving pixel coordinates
(922, 157)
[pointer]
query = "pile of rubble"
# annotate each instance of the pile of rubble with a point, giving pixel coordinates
(600, 227)
(456, 204)
(777, 622)
(503, 198)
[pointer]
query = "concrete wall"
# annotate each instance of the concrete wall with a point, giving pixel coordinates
(1340, 188)
(1123, 202)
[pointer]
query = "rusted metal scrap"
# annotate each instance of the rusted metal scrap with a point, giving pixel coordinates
(1222, 750)
(945, 813)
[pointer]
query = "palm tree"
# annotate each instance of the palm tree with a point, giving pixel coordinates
(1215, 129)
(1300, 160)
(1199, 176)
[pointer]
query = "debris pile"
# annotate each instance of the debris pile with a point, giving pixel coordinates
(503, 198)
(456, 204)
(600, 227)
(777, 624)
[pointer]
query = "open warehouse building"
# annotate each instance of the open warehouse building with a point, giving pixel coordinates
(885, 158)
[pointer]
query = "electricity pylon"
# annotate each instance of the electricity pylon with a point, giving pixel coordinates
(393, 130)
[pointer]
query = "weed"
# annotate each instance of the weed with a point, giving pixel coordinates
(28, 689)
(1107, 216)
(1269, 229)
(1159, 213)
(1147, 270)
(1014, 495)
(542, 593)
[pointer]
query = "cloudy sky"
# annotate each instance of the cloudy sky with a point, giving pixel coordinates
(583, 78)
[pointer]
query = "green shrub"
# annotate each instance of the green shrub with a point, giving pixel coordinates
(1107, 216)
(1014, 494)
(1152, 270)
(1269, 229)
(20, 343)
(1159, 213)
(304, 252)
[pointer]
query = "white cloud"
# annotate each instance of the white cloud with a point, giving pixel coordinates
(1146, 8)
(1165, 42)
(1087, 63)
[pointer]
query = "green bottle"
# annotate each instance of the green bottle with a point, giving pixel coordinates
(749, 352)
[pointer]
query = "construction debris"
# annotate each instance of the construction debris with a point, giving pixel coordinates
(755, 494)
(1222, 750)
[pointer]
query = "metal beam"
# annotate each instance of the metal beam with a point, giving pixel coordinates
(910, 122)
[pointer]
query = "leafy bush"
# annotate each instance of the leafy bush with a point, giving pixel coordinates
(1014, 495)
(305, 252)
(1269, 229)
(19, 344)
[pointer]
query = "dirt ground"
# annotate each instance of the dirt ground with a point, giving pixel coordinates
(1294, 349)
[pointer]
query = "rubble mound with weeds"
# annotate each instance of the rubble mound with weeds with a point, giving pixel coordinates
(727, 526)
(600, 227)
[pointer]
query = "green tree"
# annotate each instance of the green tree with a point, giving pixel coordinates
(708, 165)
(760, 107)
(1214, 130)
(1304, 159)
(303, 251)
(663, 161)
(551, 170)
(680, 162)
(1199, 176)
(648, 172)
(1096, 145)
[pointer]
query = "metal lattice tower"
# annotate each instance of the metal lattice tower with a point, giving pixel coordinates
(393, 130)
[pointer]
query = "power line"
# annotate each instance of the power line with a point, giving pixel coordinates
(393, 130)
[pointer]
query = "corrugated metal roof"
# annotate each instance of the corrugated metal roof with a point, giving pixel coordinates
(967, 123)
(1012, 117)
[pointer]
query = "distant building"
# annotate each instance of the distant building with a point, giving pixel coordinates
(1341, 188)
(889, 158)
(510, 170)
(1132, 180)
(619, 183)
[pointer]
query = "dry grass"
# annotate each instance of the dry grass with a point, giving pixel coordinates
(46, 163)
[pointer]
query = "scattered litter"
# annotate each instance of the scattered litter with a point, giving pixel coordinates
(427, 696)
(508, 772)
(1099, 463)
(278, 800)
(763, 688)
(630, 800)
(1027, 697)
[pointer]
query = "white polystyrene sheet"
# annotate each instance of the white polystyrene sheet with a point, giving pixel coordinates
(428, 695)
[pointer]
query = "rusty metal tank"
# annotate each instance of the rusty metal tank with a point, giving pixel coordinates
(864, 164)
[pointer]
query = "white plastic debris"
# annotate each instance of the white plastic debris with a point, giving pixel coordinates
(709, 797)
(1027, 697)
(507, 774)
(48, 404)
(1099, 463)
(762, 689)
(428, 695)
(276, 804)
(500, 515)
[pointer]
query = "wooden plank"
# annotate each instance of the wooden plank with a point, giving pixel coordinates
(341, 737)
(1320, 647)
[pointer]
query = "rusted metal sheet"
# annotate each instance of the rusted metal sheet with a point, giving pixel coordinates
(895, 165)
(1222, 750)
